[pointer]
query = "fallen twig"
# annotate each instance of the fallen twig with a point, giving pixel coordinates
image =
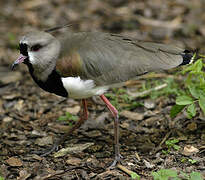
(129, 172)
(174, 24)
(137, 156)
(140, 94)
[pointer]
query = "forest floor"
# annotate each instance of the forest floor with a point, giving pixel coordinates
(150, 140)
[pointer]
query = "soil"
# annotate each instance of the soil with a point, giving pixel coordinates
(29, 116)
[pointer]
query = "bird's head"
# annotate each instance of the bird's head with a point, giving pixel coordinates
(39, 49)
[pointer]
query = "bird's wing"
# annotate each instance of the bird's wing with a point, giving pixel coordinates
(107, 58)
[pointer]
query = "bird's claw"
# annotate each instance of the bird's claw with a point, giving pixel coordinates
(118, 158)
(47, 152)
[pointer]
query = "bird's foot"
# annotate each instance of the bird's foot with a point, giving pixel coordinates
(118, 158)
(48, 151)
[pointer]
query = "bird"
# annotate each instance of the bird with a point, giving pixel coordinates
(80, 65)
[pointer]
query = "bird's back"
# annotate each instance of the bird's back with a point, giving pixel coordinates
(109, 58)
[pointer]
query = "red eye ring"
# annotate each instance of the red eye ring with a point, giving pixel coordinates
(36, 47)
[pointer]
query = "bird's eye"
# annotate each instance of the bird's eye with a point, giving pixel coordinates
(36, 47)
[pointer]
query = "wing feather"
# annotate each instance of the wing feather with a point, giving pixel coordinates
(107, 58)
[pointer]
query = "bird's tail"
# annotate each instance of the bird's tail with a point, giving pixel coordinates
(188, 57)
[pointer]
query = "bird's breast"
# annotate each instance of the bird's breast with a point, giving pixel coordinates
(81, 89)
(52, 84)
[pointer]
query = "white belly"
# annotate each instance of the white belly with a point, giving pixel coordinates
(81, 89)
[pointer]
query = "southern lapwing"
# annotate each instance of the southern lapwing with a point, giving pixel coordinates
(85, 64)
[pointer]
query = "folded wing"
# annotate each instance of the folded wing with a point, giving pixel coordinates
(107, 58)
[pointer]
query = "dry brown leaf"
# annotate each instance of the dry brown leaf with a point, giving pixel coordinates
(189, 150)
(73, 161)
(19, 105)
(15, 162)
(125, 125)
(7, 119)
(149, 104)
(33, 4)
(132, 115)
(23, 175)
(192, 126)
(148, 164)
(94, 133)
(73, 110)
(44, 141)
(72, 149)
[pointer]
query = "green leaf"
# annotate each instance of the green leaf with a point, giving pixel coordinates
(184, 100)
(198, 65)
(164, 174)
(165, 152)
(74, 118)
(176, 109)
(192, 161)
(169, 172)
(184, 175)
(69, 115)
(202, 103)
(191, 110)
(62, 118)
(156, 176)
(171, 143)
(195, 176)
(194, 68)
(135, 176)
(176, 147)
(194, 91)
(176, 178)
(188, 68)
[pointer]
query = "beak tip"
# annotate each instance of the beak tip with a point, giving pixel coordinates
(20, 59)
(13, 66)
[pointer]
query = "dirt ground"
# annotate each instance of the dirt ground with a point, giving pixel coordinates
(29, 116)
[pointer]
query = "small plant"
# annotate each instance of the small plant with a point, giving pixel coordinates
(113, 100)
(195, 176)
(192, 161)
(172, 144)
(68, 117)
(172, 88)
(135, 176)
(118, 97)
(1, 178)
(166, 174)
(194, 92)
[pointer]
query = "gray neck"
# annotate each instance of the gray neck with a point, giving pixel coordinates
(42, 73)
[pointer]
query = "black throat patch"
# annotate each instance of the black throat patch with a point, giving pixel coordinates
(53, 84)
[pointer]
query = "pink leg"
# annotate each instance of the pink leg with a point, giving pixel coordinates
(82, 119)
(114, 112)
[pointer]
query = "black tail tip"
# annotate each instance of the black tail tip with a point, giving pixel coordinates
(187, 57)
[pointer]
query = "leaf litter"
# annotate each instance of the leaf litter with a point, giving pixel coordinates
(29, 116)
